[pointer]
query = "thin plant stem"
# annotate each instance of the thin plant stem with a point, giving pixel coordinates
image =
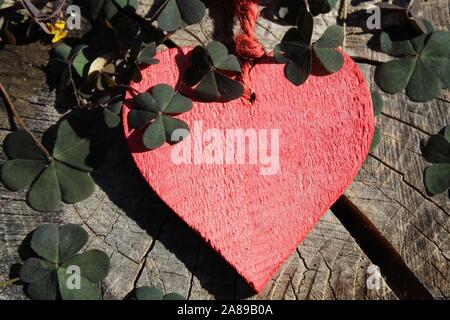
(129, 88)
(8, 282)
(16, 115)
(344, 19)
(158, 11)
(194, 36)
(306, 5)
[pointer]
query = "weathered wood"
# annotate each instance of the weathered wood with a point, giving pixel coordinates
(149, 245)
(390, 190)
(358, 34)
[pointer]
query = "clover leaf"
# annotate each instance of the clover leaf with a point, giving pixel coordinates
(377, 103)
(107, 9)
(111, 114)
(80, 61)
(437, 152)
(151, 293)
(65, 57)
(180, 13)
(155, 111)
(209, 73)
(423, 67)
(291, 9)
(317, 7)
(64, 176)
(403, 13)
(296, 50)
(145, 57)
(60, 269)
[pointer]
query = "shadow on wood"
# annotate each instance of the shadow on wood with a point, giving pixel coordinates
(121, 181)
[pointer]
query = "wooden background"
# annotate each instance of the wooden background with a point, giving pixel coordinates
(149, 245)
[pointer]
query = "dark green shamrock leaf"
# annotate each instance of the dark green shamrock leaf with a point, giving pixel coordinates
(111, 114)
(209, 73)
(401, 15)
(60, 268)
(290, 10)
(60, 64)
(437, 178)
(295, 50)
(65, 59)
(180, 13)
(80, 63)
(423, 67)
(377, 102)
(107, 9)
(376, 139)
(317, 7)
(146, 57)
(63, 177)
(325, 47)
(157, 109)
(437, 151)
(70, 148)
(151, 293)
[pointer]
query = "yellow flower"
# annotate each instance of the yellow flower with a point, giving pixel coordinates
(58, 30)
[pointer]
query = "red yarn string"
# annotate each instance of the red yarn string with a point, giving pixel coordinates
(248, 46)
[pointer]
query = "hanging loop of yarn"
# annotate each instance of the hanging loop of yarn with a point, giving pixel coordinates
(248, 46)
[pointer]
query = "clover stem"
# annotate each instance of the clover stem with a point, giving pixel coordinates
(129, 88)
(167, 36)
(158, 11)
(344, 19)
(306, 5)
(75, 90)
(8, 282)
(16, 115)
(194, 36)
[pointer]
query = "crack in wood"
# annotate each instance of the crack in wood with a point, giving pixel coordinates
(380, 251)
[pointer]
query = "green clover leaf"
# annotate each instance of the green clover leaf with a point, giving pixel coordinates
(151, 293)
(377, 102)
(180, 13)
(437, 151)
(320, 6)
(209, 73)
(157, 109)
(107, 9)
(403, 15)
(146, 57)
(64, 177)
(290, 9)
(65, 57)
(423, 67)
(51, 273)
(296, 50)
(111, 114)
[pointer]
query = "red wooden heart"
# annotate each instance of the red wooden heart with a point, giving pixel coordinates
(256, 221)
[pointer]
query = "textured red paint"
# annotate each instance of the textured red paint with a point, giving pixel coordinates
(255, 222)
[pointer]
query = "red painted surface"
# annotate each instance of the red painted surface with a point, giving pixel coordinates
(255, 222)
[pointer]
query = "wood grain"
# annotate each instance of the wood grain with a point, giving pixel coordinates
(149, 245)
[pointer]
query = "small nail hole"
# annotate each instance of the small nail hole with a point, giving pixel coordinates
(252, 97)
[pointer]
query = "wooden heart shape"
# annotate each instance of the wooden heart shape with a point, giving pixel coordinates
(255, 221)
